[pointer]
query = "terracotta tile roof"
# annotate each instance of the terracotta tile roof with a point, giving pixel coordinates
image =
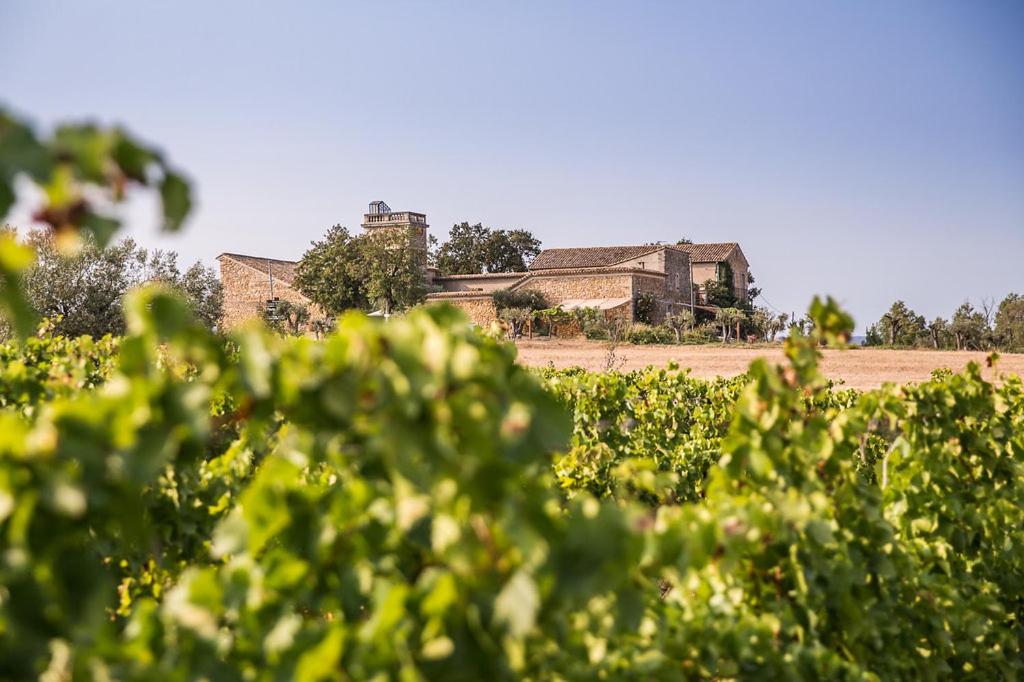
(589, 257)
(615, 270)
(484, 275)
(708, 253)
(604, 256)
(445, 295)
(283, 270)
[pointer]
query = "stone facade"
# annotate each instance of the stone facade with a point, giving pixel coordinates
(564, 287)
(610, 278)
(478, 308)
(246, 284)
(707, 261)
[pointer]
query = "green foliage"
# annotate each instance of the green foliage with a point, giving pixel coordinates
(473, 249)
(44, 367)
(394, 269)
(680, 322)
(517, 319)
(82, 170)
(640, 333)
(1009, 327)
(900, 326)
(766, 324)
(519, 298)
(286, 317)
(332, 273)
(80, 288)
(729, 319)
(645, 306)
(404, 500)
(719, 293)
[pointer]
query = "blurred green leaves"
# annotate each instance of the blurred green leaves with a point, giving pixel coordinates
(83, 170)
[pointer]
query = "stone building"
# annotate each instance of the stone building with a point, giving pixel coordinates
(609, 278)
(249, 282)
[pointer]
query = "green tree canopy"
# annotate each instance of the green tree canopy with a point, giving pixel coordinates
(519, 298)
(899, 326)
(332, 273)
(81, 288)
(1009, 329)
(394, 269)
(969, 327)
(474, 249)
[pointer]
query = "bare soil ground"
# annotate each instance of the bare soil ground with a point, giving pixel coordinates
(861, 368)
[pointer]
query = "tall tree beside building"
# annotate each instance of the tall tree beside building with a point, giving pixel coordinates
(332, 272)
(475, 249)
(394, 269)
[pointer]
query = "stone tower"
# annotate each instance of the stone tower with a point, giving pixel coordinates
(380, 217)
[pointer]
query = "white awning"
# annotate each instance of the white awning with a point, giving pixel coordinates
(599, 303)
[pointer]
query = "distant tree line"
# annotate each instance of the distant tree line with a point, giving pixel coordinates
(78, 286)
(989, 327)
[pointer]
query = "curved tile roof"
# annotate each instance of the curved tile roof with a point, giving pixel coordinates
(284, 270)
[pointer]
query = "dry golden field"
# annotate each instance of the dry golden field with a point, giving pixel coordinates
(861, 368)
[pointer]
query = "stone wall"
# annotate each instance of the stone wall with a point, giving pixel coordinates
(677, 276)
(480, 311)
(740, 273)
(702, 272)
(558, 288)
(650, 261)
(482, 283)
(246, 291)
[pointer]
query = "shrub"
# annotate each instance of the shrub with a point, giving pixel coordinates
(644, 307)
(519, 298)
(647, 334)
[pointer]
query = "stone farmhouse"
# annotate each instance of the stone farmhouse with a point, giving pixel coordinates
(609, 278)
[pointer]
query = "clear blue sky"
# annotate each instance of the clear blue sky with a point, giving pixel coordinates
(871, 150)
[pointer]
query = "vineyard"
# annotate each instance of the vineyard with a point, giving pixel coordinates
(404, 501)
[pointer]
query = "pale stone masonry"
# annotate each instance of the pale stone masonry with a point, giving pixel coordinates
(249, 282)
(609, 278)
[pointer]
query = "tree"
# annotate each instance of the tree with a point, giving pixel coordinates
(680, 322)
(719, 294)
(516, 319)
(81, 291)
(199, 286)
(285, 317)
(519, 298)
(474, 249)
(83, 171)
(682, 241)
(901, 326)
(644, 307)
(777, 325)
(1009, 327)
(394, 269)
(938, 331)
(766, 324)
(752, 292)
(969, 327)
(332, 273)
(727, 318)
(510, 251)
